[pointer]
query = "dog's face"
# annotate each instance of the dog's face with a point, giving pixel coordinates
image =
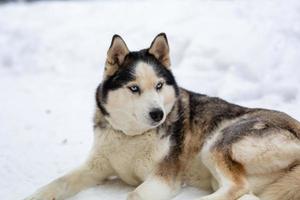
(138, 90)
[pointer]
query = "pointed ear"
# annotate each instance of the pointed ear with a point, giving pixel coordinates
(160, 49)
(115, 54)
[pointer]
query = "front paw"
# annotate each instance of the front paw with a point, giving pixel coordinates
(249, 197)
(134, 196)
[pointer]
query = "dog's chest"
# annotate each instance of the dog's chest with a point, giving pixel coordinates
(132, 157)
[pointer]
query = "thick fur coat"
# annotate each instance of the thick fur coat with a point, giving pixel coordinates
(153, 134)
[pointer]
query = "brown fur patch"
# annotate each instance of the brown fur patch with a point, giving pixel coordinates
(230, 168)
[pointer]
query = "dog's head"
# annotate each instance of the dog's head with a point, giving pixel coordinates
(138, 89)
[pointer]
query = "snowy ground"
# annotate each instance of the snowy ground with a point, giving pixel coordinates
(52, 55)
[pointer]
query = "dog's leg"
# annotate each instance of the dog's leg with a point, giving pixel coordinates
(88, 175)
(165, 180)
(229, 174)
(155, 187)
(163, 184)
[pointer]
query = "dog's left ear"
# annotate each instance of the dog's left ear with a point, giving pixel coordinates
(160, 49)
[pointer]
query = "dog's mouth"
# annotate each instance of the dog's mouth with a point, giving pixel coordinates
(156, 124)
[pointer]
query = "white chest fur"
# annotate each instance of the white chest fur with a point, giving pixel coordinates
(131, 157)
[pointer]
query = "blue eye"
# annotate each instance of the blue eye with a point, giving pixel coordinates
(159, 86)
(134, 88)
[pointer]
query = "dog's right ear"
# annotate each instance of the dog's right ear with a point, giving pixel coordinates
(160, 49)
(115, 55)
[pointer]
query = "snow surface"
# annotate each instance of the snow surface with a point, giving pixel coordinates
(52, 55)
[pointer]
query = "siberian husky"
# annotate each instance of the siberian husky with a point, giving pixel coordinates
(153, 134)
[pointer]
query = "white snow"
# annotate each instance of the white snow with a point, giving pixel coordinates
(52, 55)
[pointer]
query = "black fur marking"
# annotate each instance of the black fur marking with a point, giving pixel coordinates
(259, 123)
(293, 131)
(125, 73)
(160, 70)
(193, 102)
(98, 101)
(240, 129)
(118, 80)
(209, 112)
(176, 130)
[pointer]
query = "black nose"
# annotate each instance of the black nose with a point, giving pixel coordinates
(156, 114)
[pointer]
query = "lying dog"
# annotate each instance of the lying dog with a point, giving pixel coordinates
(155, 135)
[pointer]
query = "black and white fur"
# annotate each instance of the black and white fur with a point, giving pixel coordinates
(157, 136)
